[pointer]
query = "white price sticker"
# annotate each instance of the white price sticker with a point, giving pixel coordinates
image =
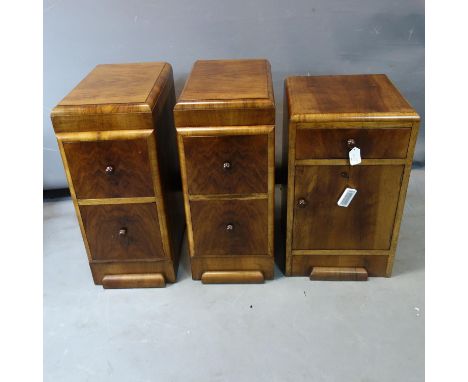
(347, 196)
(355, 156)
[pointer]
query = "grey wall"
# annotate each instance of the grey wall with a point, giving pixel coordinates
(298, 37)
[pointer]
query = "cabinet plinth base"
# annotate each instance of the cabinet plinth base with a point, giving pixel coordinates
(339, 274)
(134, 280)
(232, 277)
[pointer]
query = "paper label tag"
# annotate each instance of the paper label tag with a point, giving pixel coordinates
(346, 197)
(355, 156)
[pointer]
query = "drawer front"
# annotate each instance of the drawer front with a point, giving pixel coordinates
(391, 143)
(109, 168)
(230, 227)
(227, 164)
(367, 223)
(123, 231)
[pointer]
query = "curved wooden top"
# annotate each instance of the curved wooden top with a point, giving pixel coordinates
(215, 84)
(227, 92)
(117, 88)
(346, 97)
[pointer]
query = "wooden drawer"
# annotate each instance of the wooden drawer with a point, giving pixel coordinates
(376, 143)
(230, 227)
(367, 223)
(109, 168)
(123, 231)
(227, 164)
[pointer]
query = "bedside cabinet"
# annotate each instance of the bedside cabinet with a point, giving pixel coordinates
(225, 120)
(116, 135)
(326, 117)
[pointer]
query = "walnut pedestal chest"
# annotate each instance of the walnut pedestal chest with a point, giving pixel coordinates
(326, 117)
(117, 139)
(225, 121)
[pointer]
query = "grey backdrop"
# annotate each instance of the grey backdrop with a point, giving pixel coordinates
(298, 37)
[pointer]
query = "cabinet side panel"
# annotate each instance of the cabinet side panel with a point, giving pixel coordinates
(168, 163)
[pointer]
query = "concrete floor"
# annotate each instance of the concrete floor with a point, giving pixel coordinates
(288, 329)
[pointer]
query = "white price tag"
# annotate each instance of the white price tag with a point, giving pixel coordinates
(355, 156)
(347, 196)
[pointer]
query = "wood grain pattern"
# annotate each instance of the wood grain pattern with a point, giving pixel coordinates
(368, 221)
(226, 80)
(115, 84)
(232, 277)
(227, 92)
(374, 265)
(145, 86)
(246, 155)
(339, 274)
(320, 112)
(345, 96)
(126, 112)
(102, 268)
(225, 120)
(142, 237)
(248, 236)
(130, 176)
(263, 264)
(333, 143)
(401, 201)
(135, 280)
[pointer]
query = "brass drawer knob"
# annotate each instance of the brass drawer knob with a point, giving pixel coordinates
(301, 203)
(109, 170)
(123, 232)
(227, 165)
(351, 143)
(230, 227)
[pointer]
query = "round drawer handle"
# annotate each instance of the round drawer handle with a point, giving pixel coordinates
(351, 143)
(301, 203)
(229, 227)
(227, 165)
(123, 232)
(109, 170)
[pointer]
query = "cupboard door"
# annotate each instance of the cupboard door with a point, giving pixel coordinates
(367, 223)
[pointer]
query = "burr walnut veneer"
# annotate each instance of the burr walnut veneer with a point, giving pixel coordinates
(225, 121)
(325, 117)
(117, 139)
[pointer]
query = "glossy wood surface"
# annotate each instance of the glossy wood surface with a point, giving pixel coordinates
(263, 264)
(332, 143)
(115, 97)
(339, 274)
(227, 92)
(102, 268)
(374, 265)
(134, 280)
(232, 277)
(110, 168)
(213, 237)
(121, 117)
(321, 113)
(227, 165)
(225, 120)
(115, 83)
(365, 224)
(345, 96)
(140, 239)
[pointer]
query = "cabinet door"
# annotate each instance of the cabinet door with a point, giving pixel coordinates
(367, 223)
